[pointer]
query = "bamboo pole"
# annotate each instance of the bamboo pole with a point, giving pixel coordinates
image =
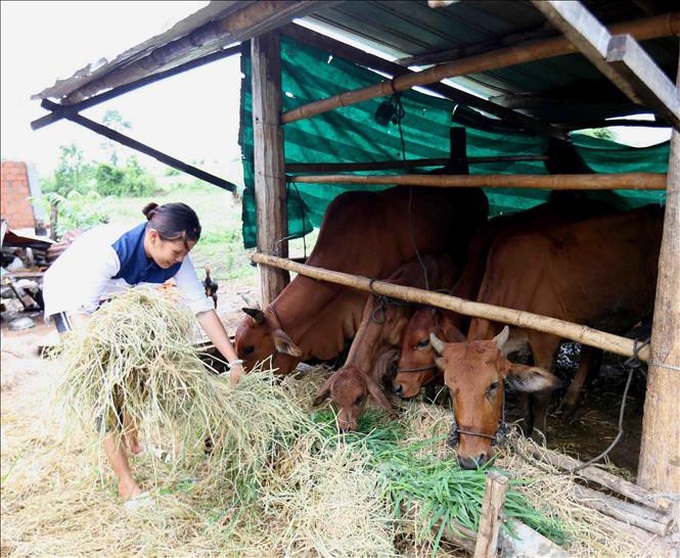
(628, 181)
(382, 165)
(659, 26)
(579, 333)
(491, 517)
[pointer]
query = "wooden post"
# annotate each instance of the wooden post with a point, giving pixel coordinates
(491, 518)
(659, 464)
(270, 180)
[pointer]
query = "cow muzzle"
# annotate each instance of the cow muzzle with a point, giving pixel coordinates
(473, 462)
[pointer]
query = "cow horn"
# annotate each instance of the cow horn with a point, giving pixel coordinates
(437, 343)
(502, 338)
(256, 314)
(250, 301)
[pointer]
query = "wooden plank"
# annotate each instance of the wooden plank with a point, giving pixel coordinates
(630, 181)
(575, 332)
(270, 179)
(491, 518)
(528, 543)
(644, 518)
(601, 477)
(659, 465)
(58, 114)
(501, 58)
(650, 84)
(255, 18)
(619, 58)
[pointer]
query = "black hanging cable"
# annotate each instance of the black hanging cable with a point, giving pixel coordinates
(398, 115)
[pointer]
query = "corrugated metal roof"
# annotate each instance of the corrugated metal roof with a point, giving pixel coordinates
(567, 91)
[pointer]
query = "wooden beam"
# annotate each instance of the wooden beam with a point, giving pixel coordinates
(659, 464)
(645, 78)
(500, 58)
(143, 148)
(270, 178)
(362, 58)
(250, 21)
(630, 180)
(579, 333)
(633, 72)
(60, 113)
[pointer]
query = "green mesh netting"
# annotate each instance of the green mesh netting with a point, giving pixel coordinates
(352, 134)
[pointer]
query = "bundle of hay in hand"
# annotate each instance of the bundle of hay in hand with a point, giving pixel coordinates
(136, 354)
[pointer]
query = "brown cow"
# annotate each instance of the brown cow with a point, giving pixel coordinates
(416, 366)
(375, 345)
(363, 233)
(600, 272)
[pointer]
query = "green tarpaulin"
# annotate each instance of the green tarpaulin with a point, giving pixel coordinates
(353, 134)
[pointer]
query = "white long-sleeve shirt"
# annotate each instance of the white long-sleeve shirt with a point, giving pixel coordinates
(83, 274)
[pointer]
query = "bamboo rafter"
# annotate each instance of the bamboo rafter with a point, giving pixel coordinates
(629, 180)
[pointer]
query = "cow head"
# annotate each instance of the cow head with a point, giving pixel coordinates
(475, 372)
(259, 336)
(349, 389)
(417, 367)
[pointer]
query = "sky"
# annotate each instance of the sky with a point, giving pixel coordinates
(192, 116)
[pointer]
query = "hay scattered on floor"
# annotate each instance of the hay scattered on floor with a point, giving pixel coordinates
(278, 482)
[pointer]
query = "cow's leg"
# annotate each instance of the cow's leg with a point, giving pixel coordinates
(543, 348)
(589, 361)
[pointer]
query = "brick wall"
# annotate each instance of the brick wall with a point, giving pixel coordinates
(15, 196)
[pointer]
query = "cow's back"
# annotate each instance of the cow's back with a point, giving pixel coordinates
(368, 234)
(599, 272)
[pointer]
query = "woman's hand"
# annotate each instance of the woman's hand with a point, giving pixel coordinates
(235, 372)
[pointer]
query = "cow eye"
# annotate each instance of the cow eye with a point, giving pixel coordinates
(358, 401)
(492, 389)
(249, 349)
(424, 344)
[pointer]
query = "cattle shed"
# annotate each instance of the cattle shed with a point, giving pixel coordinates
(347, 95)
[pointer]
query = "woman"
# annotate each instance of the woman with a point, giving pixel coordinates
(107, 260)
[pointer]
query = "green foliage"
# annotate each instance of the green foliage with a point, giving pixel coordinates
(72, 174)
(131, 180)
(76, 210)
(114, 119)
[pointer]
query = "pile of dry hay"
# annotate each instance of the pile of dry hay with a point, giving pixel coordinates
(279, 481)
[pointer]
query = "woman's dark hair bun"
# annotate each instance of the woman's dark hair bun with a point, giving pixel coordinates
(148, 209)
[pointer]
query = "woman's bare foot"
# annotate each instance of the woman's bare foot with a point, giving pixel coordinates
(128, 490)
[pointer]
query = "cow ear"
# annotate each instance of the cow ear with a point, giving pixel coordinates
(323, 393)
(451, 333)
(284, 344)
(379, 395)
(528, 379)
(256, 314)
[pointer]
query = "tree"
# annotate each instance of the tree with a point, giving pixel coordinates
(72, 173)
(114, 119)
